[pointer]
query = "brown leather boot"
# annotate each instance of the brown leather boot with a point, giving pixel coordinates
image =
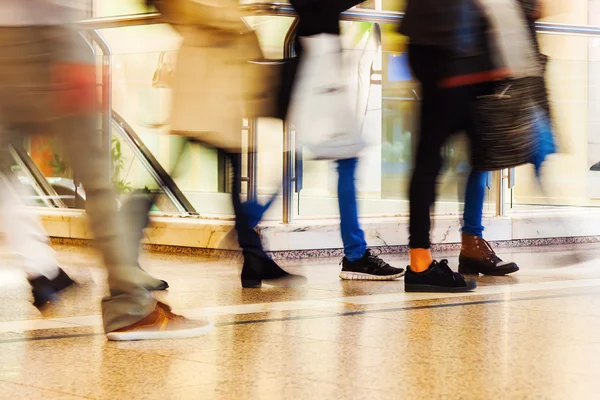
(478, 257)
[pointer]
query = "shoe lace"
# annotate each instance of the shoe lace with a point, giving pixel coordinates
(168, 313)
(491, 251)
(443, 266)
(374, 259)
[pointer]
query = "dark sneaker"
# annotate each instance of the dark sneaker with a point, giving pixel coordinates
(161, 324)
(369, 268)
(163, 286)
(437, 278)
(45, 290)
(158, 286)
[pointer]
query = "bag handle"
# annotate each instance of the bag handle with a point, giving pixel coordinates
(163, 74)
(161, 58)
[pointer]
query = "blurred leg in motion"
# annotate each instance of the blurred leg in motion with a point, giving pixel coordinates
(443, 113)
(359, 262)
(353, 236)
(26, 236)
(135, 215)
(476, 255)
(258, 267)
(48, 84)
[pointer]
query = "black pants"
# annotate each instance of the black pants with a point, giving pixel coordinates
(321, 16)
(444, 112)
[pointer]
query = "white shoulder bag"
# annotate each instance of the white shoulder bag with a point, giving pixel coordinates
(321, 108)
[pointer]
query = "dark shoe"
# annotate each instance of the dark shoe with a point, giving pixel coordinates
(369, 268)
(257, 270)
(151, 283)
(45, 290)
(478, 257)
(162, 324)
(437, 278)
(163, 285)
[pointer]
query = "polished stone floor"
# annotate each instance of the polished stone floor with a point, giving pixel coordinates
(534, 335)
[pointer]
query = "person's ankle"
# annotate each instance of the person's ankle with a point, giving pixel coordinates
(420, 259)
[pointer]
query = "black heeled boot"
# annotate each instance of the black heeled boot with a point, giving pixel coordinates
(257, 270)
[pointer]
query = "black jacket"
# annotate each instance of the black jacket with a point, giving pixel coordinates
(320, 16)
(456, 28)
(455, 25)
(452, 25)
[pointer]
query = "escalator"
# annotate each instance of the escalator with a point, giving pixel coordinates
(62, 192)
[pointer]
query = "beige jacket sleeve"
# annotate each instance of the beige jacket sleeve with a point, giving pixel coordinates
(223, 15)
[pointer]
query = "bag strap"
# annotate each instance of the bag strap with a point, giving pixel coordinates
(163, 73)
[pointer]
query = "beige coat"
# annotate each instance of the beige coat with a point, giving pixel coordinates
(208, 91)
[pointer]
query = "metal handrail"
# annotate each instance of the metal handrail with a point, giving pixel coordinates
(288, 140)
(285, 10)
(104, 46)
(38, 180)
(567, 29)
(159, 174)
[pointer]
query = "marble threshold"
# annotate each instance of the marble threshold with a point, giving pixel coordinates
(321, 238)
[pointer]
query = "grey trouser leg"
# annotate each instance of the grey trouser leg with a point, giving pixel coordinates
(134, 216)
(28, 96)
(128, 301)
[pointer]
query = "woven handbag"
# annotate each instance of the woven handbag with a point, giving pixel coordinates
(505, 125)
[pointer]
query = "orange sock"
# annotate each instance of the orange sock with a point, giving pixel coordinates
(420, 259)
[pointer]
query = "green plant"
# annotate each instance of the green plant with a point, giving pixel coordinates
(118, 167)
(57, 163)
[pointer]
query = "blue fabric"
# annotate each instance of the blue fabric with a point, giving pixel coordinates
(545, 135)
(474, 198)
(254, 211)
(245, 217)
(353, 236)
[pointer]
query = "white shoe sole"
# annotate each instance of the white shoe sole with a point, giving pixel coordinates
(157, 335)
(360, 276)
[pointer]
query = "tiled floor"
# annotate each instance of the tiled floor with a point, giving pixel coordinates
(533, 335)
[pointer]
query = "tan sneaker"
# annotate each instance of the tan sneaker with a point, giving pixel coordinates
(162, 324)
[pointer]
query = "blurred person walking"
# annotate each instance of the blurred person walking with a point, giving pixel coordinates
(25, 235)
(452, 54)
(48, 85)
(477, 256)
(209, 96)
(319, 54)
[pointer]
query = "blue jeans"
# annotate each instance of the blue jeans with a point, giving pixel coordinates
(474, 197)
(353, 236)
